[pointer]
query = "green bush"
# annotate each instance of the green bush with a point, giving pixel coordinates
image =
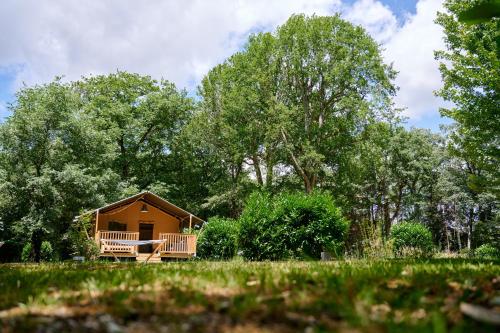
(291, 225)
(466, 253)
(487, 232)
(411, 239)
(487, 251)
(26, 253)
(46, 251)
(78, 237)
(218, 239)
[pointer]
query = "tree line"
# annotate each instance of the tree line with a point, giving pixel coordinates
(306, 108)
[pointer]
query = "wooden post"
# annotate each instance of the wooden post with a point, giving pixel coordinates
(190, 221)
(156, 250)
(97, 236)
(96, 222)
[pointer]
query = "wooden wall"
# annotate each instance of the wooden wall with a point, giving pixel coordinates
(132, 216)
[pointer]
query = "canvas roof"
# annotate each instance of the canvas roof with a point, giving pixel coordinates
(153, 200)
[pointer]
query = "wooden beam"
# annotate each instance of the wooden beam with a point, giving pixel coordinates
(96, 222)
(190, 221)
(156, 250)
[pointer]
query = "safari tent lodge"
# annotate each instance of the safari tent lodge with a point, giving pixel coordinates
(145, 227)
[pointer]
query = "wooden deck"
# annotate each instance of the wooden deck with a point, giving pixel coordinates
(175, 245)
(103, 238)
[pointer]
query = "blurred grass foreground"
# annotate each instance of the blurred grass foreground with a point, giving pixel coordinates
(236, 296)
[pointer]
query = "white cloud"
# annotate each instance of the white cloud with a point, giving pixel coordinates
(177, 40)
(411, 49)
(182, 40)
(376, 18)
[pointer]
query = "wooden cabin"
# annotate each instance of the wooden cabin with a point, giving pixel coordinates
(144, 217)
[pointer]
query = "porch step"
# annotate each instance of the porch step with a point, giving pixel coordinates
(141, 257)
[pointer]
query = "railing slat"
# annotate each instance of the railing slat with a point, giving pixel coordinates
(178, 243)
(118, 235)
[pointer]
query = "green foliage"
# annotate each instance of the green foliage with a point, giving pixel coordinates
(218, 239)
(469, 68)
(488, 232)
(27, 253)
(371, 243)
(68, 147)
(306, 106)
(291, 225)
(391, 174)
(481, 12)
(297, 97)
(140, 116)
(487, 251)
(412, 239)
(79, 238)
(46, 252)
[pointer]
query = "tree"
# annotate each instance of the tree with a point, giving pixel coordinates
(390, 174)
(464, 186)
(470, 69)
(481, 12)
(332, 82)
(75, 146)
(298, 97)
(141, 118)
(54, 164)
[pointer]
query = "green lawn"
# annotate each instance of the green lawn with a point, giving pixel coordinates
(196, 296)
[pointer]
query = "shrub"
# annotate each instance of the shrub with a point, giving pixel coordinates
(487, 232)
(466, 253)
(10, 251)
(487, 251)
(78, 236)
(291, 225)
(26, 254)
(46, 251)
(411, 239)
(218, 239)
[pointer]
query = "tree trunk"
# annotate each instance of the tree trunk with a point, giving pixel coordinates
(469, 229)
(308, 186)
(269, 174)
(256, 166)
(233, 202)
(447, 241)
(36, 242)
(387, 220)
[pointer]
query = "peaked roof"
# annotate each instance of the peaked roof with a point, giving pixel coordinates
(153, 200)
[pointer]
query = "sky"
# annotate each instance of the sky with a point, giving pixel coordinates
(180, 40)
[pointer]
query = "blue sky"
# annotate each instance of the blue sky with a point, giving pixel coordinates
(181, 40)
(399, 7)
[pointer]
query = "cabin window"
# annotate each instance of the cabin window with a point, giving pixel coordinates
(117, 226)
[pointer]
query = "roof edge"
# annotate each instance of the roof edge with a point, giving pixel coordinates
(142, 193)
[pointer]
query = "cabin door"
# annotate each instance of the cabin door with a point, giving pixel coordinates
(146, 233)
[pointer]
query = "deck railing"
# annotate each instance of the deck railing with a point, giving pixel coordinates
(175, 243)
(178, 243)
(103, 238)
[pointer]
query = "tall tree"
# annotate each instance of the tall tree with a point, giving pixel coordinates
(390, 175)
(332, 82)
(54, 164)
(141, 118)
(297, 98)
(470, 68)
